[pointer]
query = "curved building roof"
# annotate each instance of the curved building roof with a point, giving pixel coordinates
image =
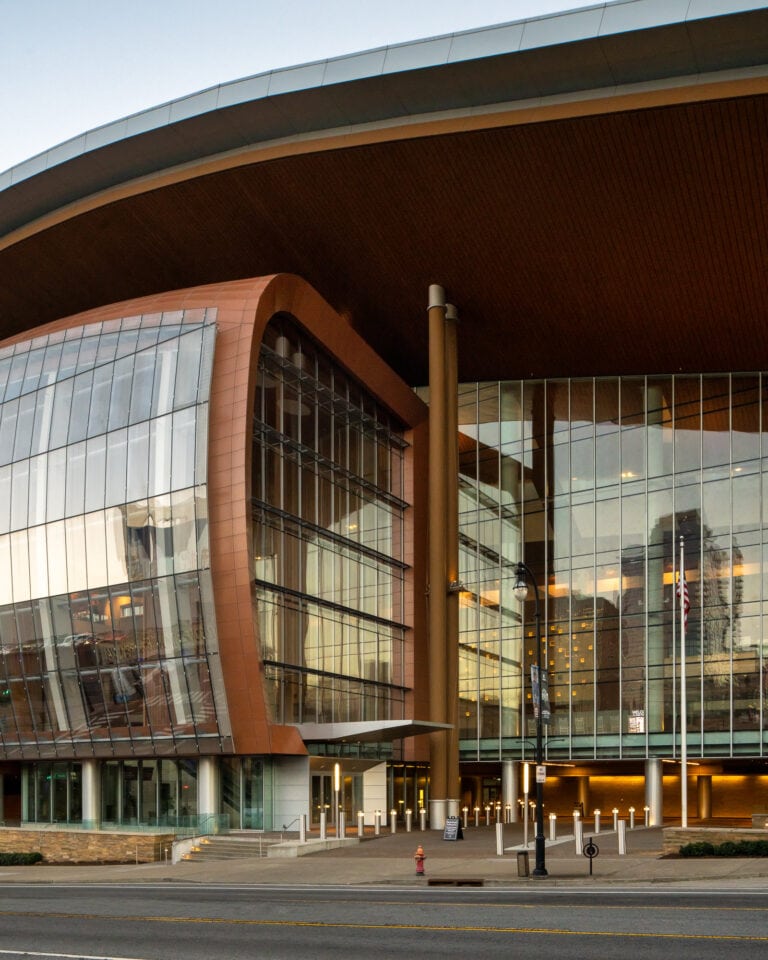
(589, 187)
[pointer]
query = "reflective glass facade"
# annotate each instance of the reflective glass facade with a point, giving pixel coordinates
(592, 483)
(328, 537)
(107, 631)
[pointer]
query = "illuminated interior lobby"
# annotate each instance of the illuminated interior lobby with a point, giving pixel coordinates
(294, 373)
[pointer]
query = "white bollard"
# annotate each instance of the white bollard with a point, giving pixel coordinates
(499, 839)
(422, 819)
(408, 821)
(477, 816)
(615, 818)
(465, 812)
(377, 823)
(647, 812)
(487, 815)
(597, 821)
(631, 818)
(553, 827)
(622, 837)
(341, 826)
(323, 824)
(508, 813)
(360, 824)
(303, 828)
(393, 820)
(578, 835)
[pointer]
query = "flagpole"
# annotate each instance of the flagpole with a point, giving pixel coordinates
(683, 704)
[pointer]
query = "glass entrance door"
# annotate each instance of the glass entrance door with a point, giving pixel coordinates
(322, 797)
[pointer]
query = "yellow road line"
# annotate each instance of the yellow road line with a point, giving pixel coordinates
(432, 928)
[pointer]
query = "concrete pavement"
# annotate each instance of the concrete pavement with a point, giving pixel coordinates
(388, 859)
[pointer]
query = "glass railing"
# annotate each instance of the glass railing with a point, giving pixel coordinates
(198, 825)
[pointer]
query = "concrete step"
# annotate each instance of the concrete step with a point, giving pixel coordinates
(227, 848)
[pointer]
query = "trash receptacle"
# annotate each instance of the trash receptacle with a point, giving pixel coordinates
(522, 863)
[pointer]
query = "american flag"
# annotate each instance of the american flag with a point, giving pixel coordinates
(682, 592)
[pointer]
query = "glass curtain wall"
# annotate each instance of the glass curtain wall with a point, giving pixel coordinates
(328, 537)
(106, 624)
(153, 793)
(592, 483)
(52, 793)
(245, 791)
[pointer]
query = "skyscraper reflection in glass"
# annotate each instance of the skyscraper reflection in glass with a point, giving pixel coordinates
(592, 483)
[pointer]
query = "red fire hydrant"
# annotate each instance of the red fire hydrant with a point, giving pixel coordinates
(419, 857)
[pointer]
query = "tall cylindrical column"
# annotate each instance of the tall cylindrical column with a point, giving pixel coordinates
(654, 792)
(704, 797)
(207, 786)
(453, 586)
(438, 507)
(582, 794)
(91, 798)
(510, 787)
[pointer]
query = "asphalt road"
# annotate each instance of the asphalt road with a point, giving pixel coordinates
(195, 922)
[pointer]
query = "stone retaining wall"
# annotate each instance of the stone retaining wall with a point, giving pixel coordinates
(87, 846)
(676, 837)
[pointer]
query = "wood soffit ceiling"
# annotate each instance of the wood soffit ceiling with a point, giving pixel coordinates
(632, 242)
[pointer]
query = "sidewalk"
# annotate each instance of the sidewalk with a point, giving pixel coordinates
(388, 859)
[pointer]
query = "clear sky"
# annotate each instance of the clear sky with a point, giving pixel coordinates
(67, 66)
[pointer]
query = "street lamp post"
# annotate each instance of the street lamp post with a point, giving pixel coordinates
(522, 575)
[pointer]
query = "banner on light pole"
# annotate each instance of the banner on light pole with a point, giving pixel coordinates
(544, 700)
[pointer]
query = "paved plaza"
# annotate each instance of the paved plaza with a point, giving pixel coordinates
(389, 859)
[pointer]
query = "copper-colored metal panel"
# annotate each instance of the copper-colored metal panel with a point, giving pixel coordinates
(243, 310)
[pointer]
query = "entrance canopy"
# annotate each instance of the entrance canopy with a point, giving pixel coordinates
(376, 732)
(590, 188)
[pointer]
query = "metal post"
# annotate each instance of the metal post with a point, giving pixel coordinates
(477, 816)
(393, 822)
(465, 812)
(615, 818)
(303, 828)
(553, 827)
(499, 839)
(682, 592)
(341, 824)
(422, 819)
(631, 818)
(323, 821)
(622, 837)
(578, 835)
(597, 821)
(522, 574)
(360, 824)
(408, 821)
(377, 823)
